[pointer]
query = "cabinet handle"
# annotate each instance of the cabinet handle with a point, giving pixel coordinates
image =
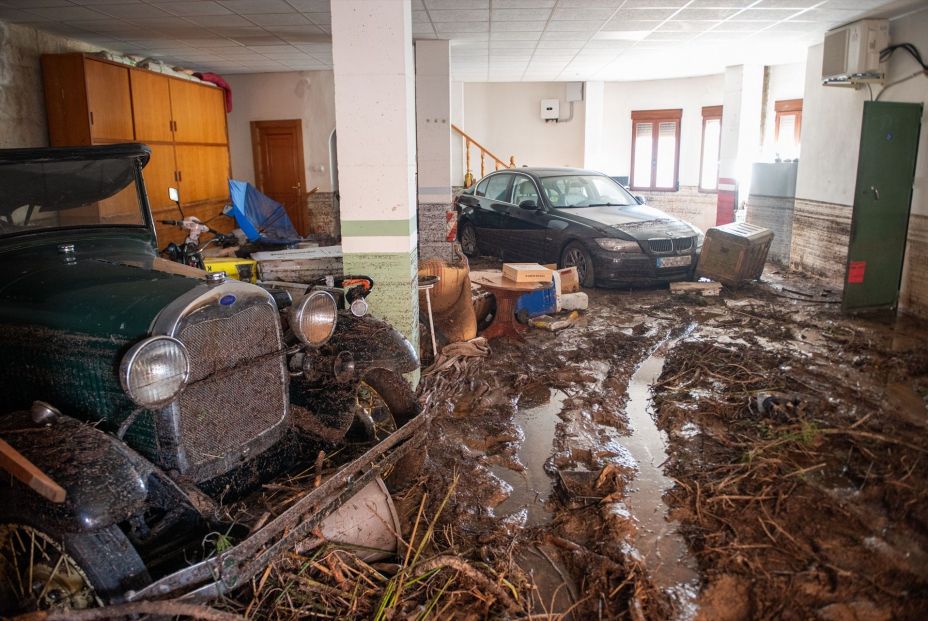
(91, 117)
(180, 175)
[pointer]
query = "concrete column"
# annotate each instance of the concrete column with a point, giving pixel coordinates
(375, 121)
(593, 157)
(433, 145)
(741, 131)
(457, 142)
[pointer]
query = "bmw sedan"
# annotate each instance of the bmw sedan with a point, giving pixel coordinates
(576, 218)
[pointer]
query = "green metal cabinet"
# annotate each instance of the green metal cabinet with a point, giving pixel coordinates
(882, 200)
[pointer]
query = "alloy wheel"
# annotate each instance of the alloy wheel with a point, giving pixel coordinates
(468, 240)
(576, 258)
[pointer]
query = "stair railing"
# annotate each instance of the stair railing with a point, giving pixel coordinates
(484, 154)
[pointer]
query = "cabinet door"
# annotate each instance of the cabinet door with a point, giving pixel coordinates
(151, 106)
(109, 101)
(199, 113)
(159, 176)
(204, 172)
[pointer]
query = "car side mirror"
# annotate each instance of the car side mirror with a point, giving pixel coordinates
(528, 204)
(173, 195)
(641, 200)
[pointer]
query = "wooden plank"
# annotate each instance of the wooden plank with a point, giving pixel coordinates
(24, 470)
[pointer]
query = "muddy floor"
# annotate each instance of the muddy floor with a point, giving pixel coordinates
(751, 456)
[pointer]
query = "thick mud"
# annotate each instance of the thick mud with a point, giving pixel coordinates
(753, 456)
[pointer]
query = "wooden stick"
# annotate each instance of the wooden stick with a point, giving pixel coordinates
(16, 464)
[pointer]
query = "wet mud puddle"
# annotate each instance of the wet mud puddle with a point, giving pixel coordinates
(531, 487)
(668, 559)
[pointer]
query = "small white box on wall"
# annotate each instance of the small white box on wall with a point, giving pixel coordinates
(550, 109)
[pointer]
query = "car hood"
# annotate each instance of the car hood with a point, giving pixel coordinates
(638, 222)
(111, 288)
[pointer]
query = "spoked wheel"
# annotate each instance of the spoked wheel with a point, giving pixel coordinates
(468, 239)
(36, 573)
(41, 569)
(575, 255)
(385, 402)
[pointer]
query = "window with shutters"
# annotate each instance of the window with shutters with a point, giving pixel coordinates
(788, 127)
(711, 142)
(655, 150)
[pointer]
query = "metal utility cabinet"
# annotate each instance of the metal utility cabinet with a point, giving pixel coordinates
(734, 254)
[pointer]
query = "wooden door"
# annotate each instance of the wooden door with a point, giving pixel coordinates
(109, 101)
(278, 154)
(199, 113)
(203, 172)
(151, 106)
(160, 174)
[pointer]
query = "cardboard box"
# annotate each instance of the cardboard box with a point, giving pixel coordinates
(526, 272)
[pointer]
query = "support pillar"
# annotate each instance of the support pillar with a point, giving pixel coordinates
(433, 146)
(593, 117)
(375, 121)
(741, 131)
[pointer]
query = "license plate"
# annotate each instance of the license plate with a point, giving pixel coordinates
(674, 261)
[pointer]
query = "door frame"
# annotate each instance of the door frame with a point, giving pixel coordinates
(260, 173)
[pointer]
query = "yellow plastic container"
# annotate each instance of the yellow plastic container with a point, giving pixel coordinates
(245, 270)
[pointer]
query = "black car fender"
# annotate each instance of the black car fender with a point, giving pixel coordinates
(105, 481)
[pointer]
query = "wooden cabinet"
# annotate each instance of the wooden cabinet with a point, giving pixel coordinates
(95, 101)
(195, 113)
(151, 106)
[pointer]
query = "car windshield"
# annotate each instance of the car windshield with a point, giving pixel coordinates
(51, 194)
(585, 191)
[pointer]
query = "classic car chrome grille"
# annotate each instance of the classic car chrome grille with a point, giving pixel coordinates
(237, 391)
(666, 245)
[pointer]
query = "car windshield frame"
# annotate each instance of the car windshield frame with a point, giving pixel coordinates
(95, 187)
(549, 187)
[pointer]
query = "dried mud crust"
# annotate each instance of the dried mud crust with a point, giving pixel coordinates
(813, 505)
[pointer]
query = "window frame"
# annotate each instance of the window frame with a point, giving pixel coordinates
(656, 117)
(788, 107)
(709, 113)
(512, 188)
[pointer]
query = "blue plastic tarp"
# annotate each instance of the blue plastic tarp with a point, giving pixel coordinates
(260, 217)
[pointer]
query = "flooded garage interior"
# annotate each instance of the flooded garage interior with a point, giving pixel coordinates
(756, 455)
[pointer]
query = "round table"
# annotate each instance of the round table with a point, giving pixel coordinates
(506, 292)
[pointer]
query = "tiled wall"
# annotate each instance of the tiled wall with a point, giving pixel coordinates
(914, 296)
(776, 214)
(821, 232)
(323, 214)
(689, 204)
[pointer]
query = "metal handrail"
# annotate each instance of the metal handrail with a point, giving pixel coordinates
(484, 152)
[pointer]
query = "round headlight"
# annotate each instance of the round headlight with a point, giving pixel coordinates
(313, 319)
(154, 371)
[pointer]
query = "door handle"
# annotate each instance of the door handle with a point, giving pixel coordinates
(876, 192)
(298, 186)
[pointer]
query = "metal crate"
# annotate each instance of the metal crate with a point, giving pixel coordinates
(734, 254)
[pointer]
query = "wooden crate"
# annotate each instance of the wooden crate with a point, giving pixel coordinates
(300, 265)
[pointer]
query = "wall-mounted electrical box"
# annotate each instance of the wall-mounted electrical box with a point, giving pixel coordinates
(550, 109)
(851, 54)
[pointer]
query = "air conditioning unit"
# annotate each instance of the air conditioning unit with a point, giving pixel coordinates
(852, 53)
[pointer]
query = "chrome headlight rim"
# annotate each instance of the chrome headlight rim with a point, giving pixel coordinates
(131, 357)
(299, 310)
(614, 244)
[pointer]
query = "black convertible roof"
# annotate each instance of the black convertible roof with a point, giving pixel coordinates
(46, 154)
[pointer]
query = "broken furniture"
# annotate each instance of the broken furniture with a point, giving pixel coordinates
(299, 265)
(506, 292)
(734, 254)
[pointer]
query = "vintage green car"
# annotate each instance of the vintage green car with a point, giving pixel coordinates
(150, 392)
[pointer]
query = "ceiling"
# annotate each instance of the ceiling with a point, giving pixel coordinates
(491, 40)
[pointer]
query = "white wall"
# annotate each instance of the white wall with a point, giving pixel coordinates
(785, 82)
(690, 94)
(305, 95)
(506, 118)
